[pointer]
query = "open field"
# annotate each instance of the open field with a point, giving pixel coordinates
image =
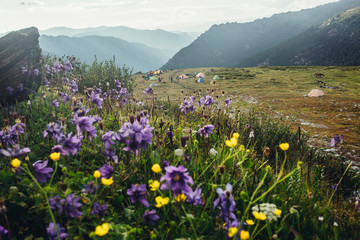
(281, 92)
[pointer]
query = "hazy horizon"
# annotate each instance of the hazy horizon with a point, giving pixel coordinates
(184, 16)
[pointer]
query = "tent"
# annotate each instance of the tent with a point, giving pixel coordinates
(200, 75)
(153, 78)
(216, 77)
(316, 93)
(153, 85)
(183, 76)
(200, 80)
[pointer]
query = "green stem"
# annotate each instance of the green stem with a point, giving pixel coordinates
(191, 223)
(52, 176)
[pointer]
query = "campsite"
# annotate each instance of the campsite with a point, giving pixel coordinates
(281, 92)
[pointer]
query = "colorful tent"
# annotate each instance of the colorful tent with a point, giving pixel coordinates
(183, 76)
(153, 85)
(153, 78)
(200, 80)
(216, 77)
(200, 75)
(316, 93)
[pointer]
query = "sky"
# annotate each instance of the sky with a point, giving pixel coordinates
(170, 15)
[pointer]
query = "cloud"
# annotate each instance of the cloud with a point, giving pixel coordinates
(32, 3)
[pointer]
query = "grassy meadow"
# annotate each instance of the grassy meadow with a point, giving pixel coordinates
(282, 92)
(96, 154)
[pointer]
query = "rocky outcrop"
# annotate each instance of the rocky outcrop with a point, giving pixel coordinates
(20, 62)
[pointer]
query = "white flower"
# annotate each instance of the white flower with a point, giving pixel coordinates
(29, 102)
(321, 218)
(335, 224)
(213, 152)
(107, 84)
(179, 152)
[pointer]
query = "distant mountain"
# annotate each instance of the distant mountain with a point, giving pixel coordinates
(334, 42)
(227, 44)
(170, 41)
(133, 55)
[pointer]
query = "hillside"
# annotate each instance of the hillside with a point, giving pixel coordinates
(334, 42)
(172, 42)
(133, 55)
(227, 44)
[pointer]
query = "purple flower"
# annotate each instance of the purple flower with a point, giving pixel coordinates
(54, 131)
(10, 90)
(106, 171)
(206, 130)
(99, 210)
(187, 106)
(47, 68)
(137, 194)
(15, 152)
(107, 138)
(148, 91)
(52, 234)
(55, 103)
(71, 206)
(67, 66)
(335, 140)
(91, 188)
(227, 102)
(66, 98)
(136, 135)
(117, 83)
(194, 197)
(95, 98)
(225, 202)
(23, 70)
(69, 145)
(86, 124)
(207, 101)
(165, 163)
(20, 87)
(140, 103)
(36, 72)
(169, 134)
(150, 216)
(4, 233)
(177, 180)
(41, 172)
(73, 86)
(56, 203)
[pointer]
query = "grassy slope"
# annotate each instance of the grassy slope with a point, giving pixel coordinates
(280, 91)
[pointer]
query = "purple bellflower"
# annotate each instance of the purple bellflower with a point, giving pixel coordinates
(106, 171)
(206, 130)
(150, 216)
(176, 179)
(52, 234)
(99, 210)
(335, 140)
(71, 206)
(41, 171)
(225, 202)
(137, 194)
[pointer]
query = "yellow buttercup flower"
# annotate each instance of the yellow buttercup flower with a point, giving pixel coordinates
(236, 135)
(250, 222)
(259, 216)
(277, 212)
(242, 148)
(154, 185)
(233, 231)
(180, 198)
(284, 146)
(161, 201)
(15, 163)
(55, 156)
(97, 174)
(156, 168)
(244, 235)
(102, 230)
(231, 143)
(107, 182)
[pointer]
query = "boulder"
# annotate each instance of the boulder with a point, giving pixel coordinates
(20, 62)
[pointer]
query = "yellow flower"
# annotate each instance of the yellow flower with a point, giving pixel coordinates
(248, 151)
(244, 235)
(102, 230)
(180, 198)
(231, 143)
(107, 182)
(242, 148)
(154, 185)
(15, 163)
(260, 216)
(161, 201)
(284, 146)
(156, 168)
(55, 156)
(236, 135)
(232, 232)
(277, 212)
(17, 120)
(97, 174)
(250, 222)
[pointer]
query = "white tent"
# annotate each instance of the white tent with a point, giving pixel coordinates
(316, 93)
(183, 76)
(200, 75)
